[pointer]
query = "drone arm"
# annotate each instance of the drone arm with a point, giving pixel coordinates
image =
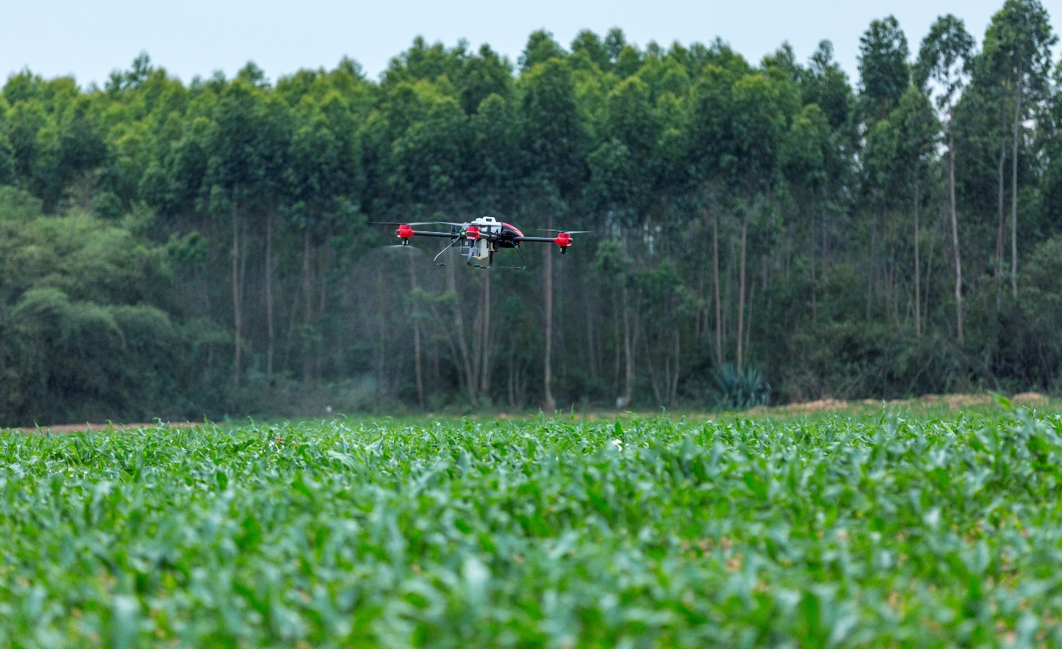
(424, 233)
(563, 240)
(405, 233)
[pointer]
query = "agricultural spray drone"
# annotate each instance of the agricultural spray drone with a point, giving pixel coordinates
(480, 238)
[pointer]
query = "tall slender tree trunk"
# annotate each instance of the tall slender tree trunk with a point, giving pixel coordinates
(324, 266)
(748, 328)
(718, 302)
(269, 296)
(307, 289)
(591, 335)
(702, 271)
(918, 269)
(825, 247)
(999, 229)
(929, 283)
(549, 403)
(236, 311)
(628, 349)
(616, 342)
(873, 250)
(814, 286)
(484, 372)
(728, 292)
(416, 335)
(1014, 191)
(678, 365)
(292, 318)
(462, 343)
(381, 333)
(741, 292)
(955, 237)
(477, 347)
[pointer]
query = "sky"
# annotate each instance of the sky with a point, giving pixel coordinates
(90, 38)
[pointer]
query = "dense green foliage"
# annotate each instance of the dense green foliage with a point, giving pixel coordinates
(877, 530)
(878, 237)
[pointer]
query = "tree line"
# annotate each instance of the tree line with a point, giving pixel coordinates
(760, 231)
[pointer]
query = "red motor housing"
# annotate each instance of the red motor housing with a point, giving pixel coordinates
(472, 232)
(405, 232)
(563, 240)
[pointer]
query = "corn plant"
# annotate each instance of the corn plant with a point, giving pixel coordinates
(840, 530)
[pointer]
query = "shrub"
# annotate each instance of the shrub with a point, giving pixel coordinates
(741, 388)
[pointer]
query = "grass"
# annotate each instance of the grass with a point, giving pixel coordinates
(928, 528)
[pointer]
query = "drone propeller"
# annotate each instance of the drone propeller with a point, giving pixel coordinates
(418, 223)
(566, 231)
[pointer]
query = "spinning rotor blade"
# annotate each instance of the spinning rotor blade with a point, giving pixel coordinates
(566, 231)
(411, 224)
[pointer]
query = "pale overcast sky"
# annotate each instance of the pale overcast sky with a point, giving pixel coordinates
(89, 39)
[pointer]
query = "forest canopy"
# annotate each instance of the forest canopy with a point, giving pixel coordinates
(767, 230)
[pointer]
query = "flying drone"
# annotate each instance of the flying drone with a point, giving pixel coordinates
(480, 238)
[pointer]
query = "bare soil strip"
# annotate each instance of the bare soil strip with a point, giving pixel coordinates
(952, 401)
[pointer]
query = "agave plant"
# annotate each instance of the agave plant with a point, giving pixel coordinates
(741, 388)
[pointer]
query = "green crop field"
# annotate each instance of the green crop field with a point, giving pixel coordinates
(846, 529)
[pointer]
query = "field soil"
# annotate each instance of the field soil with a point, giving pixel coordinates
(952, 401)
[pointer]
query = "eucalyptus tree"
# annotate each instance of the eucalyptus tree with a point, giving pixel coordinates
(591, 44)
(26, 117)
(140, 122)
(321, 183)
(885, 181)
(945, 60)
(884, 76)
(980, 125)
(430, 151)
(803, 158)
(54, 135)
(541, 47)
(482, 75)
(1051, 138)
(615, 41)
(884, 73)
(423, 62)
(823, 82)
(895, 160)
(750, 163)
(632, 123)
(493, 172)
(246, 150)
(1017, 48)
(709, 127)
(554, 143)
(273, 143)
(622, 187)
(917, 130)
(7, 152)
